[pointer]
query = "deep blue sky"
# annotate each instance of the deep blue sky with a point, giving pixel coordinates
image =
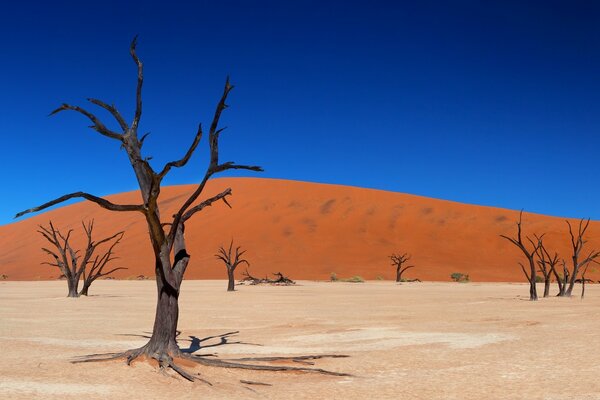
(484, 102)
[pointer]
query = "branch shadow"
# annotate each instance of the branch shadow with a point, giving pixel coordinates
(197, 343)
(223, 339)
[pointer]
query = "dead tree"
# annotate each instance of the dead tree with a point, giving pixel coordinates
(577, 243)
(96, 267)
(231, 262)
(529, 254)
(166, 237)
(281, 279)
(398, 261)
(546, 264)
(72, 264)
(584, 280)
(548, 268)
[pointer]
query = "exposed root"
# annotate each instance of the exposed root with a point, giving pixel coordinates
(255, 383)
(292, 358)
(260, 367)
(166, 360)
(99, 357)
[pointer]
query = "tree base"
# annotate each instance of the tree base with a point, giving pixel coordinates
(167, 360)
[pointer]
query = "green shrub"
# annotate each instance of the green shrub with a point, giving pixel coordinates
(539, 279)
(379, 277)
(333, 277)
(459, 277)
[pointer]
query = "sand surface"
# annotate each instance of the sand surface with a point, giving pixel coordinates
(408, 341)
(307, 231)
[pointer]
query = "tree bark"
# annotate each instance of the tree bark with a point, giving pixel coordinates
(532, 283)
(73, 283)
(398, 274)
(164, 333)
(547, 286)
(84, 289)
(231, 284)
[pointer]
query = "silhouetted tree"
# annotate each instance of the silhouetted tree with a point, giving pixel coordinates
(398, 261)
(166, 237)
(529, 254)
(577, 243)
(75, 266)
(231, 262)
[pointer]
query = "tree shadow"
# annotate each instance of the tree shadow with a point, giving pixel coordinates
(223, 339)
(197, 343)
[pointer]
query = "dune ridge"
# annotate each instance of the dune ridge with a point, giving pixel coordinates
(307, 231)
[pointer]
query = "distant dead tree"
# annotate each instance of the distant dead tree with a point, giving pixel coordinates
(281, 280)
(529, 254)
(166, 237)
(584, 280)
(548, 265)
(231, 261)
(398, 261)
(75, 266)
(577, 243)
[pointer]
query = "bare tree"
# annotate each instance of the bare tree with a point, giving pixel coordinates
(231, 262)
(548, 265)
(72, 264)
(398, 261)
(577, 243)
(166, 237)
(529, 254)
(584, 280)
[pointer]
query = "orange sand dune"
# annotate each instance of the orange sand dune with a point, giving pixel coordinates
(306, 231)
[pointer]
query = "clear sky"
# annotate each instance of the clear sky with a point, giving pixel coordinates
(484, 102)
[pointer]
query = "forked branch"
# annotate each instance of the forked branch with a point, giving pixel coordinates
(98, 126)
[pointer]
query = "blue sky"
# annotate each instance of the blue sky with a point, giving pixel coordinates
(484, 102)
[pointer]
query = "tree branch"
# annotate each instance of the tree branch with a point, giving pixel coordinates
(206, 203)
(186, 158)
(115, 113)
(98, 200)
(98, 125)
(140, 82)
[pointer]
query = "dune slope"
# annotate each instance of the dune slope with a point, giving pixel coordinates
(306, 231)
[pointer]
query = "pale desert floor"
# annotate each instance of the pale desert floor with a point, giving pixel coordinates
(408, 341)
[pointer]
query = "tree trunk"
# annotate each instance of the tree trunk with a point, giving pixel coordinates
(398, 274)
(73, 283)
(231, 284)
(532, 284)
(84, 289)
(164, 333)
(547, 286)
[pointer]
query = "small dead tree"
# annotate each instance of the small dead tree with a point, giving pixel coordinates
(548, 265)
(529, 254)
(72, 264)
(231, 262)
(584, 280)
(398, 261)
(577, 243)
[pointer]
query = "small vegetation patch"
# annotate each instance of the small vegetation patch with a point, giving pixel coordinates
(353, 279)
(459, 277)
